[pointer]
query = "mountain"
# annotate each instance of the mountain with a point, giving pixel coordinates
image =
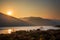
(40, 21)
(6, 20)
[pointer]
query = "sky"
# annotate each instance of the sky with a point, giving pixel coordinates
(49, 9)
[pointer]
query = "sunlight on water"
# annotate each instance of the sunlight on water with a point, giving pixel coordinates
(11, 29)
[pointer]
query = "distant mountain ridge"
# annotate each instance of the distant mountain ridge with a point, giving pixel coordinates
(6, 20)
(41, 22)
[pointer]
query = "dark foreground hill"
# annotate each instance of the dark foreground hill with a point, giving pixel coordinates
(6, 20)
(32, 35)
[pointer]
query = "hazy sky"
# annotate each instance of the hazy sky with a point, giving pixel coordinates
(25, 8)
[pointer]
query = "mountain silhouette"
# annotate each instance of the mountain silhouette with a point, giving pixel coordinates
(6, 20)
(41, 22)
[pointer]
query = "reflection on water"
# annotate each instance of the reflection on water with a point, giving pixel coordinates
(6, 29)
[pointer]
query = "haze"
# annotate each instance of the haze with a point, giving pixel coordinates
(49, 9)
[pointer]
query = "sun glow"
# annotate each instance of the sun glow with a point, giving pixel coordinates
(9, 31)
(9, 12)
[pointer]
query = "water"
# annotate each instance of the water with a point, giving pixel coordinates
(4, 29)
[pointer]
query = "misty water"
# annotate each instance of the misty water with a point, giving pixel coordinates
(30, 27)
(2, 29)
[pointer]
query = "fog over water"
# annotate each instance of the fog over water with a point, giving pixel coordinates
(4, 30)
(30, 27)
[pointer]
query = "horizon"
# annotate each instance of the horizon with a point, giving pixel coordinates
(28, 17)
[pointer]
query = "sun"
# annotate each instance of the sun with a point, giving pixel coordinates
(9, 12)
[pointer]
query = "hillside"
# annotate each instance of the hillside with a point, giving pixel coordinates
(6, 20)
